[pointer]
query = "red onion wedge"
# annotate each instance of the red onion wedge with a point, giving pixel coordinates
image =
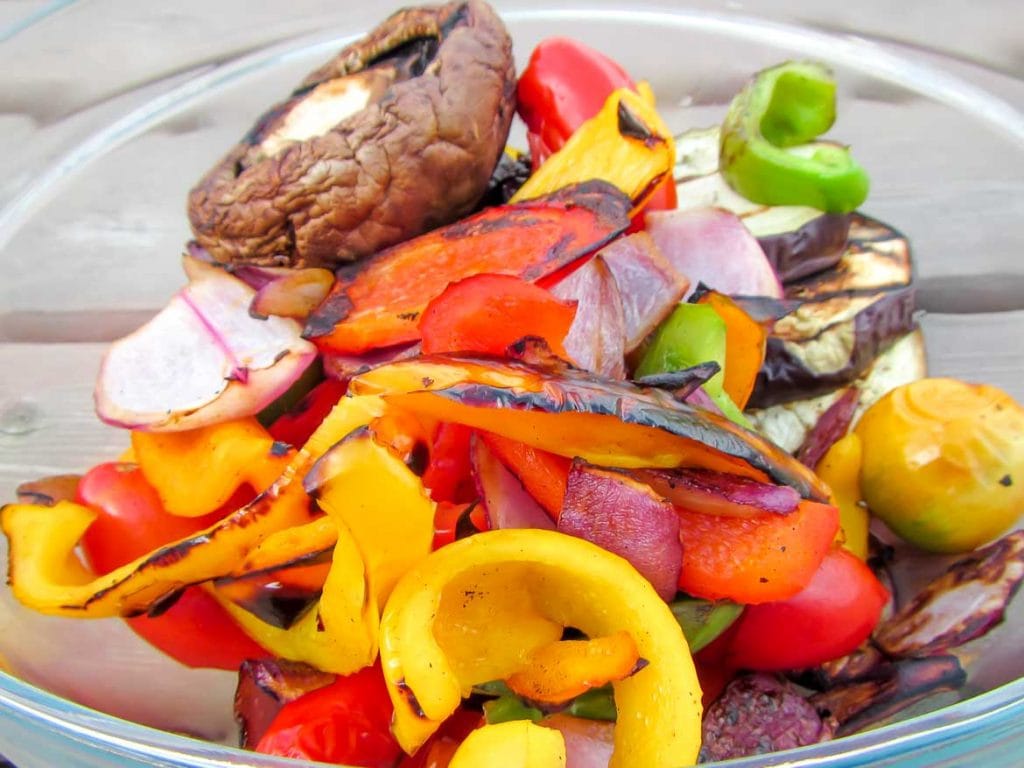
(344, 367)
(626, 517)
(711, 246)
(833, 424)
(588, 743)
(597, 336)
(506, 502)
(719, 493)
(648, 283)
(201, 360)
(962, 604)
(294, 294)
(266, 685)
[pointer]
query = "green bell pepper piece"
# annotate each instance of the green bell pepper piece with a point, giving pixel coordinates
(506, 708)
(764, 153)
(704, 620)
(691, 335)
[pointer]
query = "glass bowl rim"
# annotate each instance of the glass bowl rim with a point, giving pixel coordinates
(999, 706)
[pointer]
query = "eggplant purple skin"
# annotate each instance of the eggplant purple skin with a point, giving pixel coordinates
(876, 265)
(784, 378)
(815, 246)
(418, 157)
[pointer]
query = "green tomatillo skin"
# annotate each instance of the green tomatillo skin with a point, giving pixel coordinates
(764, 149)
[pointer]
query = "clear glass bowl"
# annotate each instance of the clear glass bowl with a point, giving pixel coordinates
(118, 110)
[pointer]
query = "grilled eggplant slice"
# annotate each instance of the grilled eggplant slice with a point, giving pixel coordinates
(797, 240)
(844, 318)
(788, 424)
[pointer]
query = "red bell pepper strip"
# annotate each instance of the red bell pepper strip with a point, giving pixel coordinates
(297, 425)
(565, 84)
(449, 516)
(195, 630)
(487, 313)
(759, 559)
(347, 722)
(448, 475)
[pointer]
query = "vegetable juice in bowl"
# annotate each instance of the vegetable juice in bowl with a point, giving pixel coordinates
(891, 221)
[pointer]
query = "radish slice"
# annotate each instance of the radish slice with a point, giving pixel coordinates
(628, 518)
(203, 359)
(711, 246)
(649, 285)
(506, 502)
(597, 336)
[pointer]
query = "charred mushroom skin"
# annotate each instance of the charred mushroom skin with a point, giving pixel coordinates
(440, 85)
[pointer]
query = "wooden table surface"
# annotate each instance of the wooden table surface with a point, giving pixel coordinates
(91, 204)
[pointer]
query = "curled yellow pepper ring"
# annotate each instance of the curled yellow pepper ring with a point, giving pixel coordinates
(452, 607)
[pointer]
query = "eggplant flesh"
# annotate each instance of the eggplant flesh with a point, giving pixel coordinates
(845, 317)
(797, 240)
(788, 424)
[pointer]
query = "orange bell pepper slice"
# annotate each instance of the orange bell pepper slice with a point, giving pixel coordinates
(565, 669)
(745, 341)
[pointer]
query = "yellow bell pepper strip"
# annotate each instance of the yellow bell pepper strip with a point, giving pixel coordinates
(626, 144)
(340, 635)
(218, 460)
(562, 670)
(575, 415)
(514, 744)
(782, 107)
(382, 521)
(442, 612)
(45, 574)
(840, 468)
(380, 501)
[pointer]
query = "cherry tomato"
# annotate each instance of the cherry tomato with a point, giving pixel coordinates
(195, 630)
(347, 722)
(829, 618)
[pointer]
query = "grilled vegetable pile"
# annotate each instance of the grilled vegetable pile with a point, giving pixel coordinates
(454, 453)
